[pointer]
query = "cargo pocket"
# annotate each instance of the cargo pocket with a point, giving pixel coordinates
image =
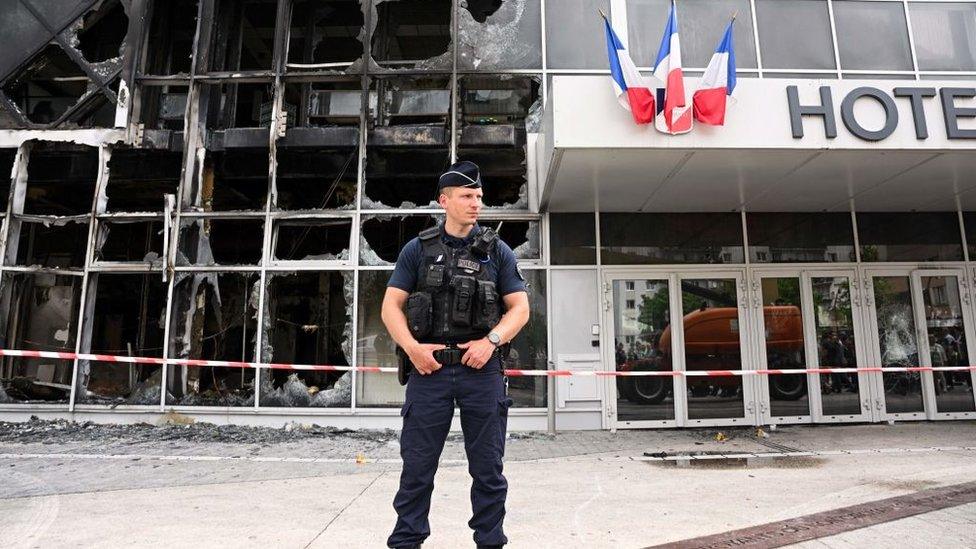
(487, 313)
(419, 314)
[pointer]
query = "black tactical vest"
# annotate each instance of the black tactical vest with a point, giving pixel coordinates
(456, 299)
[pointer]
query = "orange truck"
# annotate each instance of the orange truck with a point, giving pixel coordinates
(712, 343)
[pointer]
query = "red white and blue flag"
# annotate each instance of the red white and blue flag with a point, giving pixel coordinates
(673, 112)
(633, 90)
(717, 83)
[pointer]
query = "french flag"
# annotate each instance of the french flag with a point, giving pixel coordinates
(717, 83)
(673, 112)
(633, 90)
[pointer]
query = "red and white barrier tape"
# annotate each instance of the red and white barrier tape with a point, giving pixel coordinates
(511, 373)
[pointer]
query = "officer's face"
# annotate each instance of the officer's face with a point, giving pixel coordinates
(462, 204)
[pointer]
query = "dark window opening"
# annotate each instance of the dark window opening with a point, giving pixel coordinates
(324, 31)
(235, 180)
(410, 31)
(323, 103)
(316, 178)
(163, 107)
(7, 157)
(403, 177)
(55, 246)
(214, 318)
(138, 179)
(46, 88)
(383, 237)
(239, 105)
(61, 179)
(243, 37)
(170, 43)
(308, 323)
(103, 33)
(221, 241)
(127, 320)
(320, 239)
(130, 241)
(41, 315)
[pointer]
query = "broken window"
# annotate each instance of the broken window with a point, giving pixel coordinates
(102, 31)
(408, 144)
(233, 180)
(325, 32)
(375, 347)
(312, 239)
(61, 179)
(129, 241)
(382, 237)
(412, 34)
(7, 157)
(138, 179)
(521, 236)
(530, 347)
(58, 245)
(493, 110)
(308, 321)
(220, 241)
(238, 105)
(494, 34)
(318, 104)
(48, 86)
(163, 107)
(128, 320)
(214, 318)
(243, 35)
(41, 314)
(316, 179)
(169, 46)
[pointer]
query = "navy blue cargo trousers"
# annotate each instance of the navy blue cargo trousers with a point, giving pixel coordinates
(427, 414)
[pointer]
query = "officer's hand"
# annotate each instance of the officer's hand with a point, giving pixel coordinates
(478, 352)
(422, 356)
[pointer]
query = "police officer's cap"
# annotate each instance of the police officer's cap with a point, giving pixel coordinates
(461, 174)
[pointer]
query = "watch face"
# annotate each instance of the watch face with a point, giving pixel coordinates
(494, 338)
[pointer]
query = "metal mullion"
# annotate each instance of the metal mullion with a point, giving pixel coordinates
(911, 39)
(104, 155)
(545, 63)
(755, 37)
(833, 36)
(197, 214)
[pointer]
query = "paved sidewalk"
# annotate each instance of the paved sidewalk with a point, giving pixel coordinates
(582, 489)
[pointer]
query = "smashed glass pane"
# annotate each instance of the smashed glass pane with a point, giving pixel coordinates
(55, 245)
(214, 318)
(308, 321)
(102, 32)
(47, 87)
(325, 31)
(500, 35)
(412, 34)
(521, 236)
(129, 241)
(220, 241)
(382, 237)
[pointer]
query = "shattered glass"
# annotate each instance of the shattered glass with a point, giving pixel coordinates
(214, 318)
(46, 88)
(494, 34)
(412, 34)
(308, 318)
(325, 32)
(521, 236)
(41, 314)
(382, 237)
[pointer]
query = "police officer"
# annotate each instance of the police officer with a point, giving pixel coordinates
(443, 307)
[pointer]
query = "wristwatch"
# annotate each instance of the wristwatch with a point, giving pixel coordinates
(495, 339)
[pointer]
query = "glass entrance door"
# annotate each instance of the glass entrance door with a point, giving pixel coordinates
(917, 318)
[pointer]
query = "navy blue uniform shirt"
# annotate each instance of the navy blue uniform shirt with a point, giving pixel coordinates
(502, 264)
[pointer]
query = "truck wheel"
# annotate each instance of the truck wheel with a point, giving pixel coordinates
(648, 389)
(787, 387)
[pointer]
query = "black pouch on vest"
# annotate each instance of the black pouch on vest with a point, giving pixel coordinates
(462, 304)
(486, 313)
(435, 276)
(419, 314)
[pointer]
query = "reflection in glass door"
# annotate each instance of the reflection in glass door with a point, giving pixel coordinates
(712, 340)
(837, 335)
(642, 342)
(946, 341)
(783, 334)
